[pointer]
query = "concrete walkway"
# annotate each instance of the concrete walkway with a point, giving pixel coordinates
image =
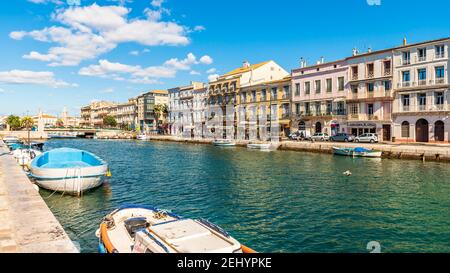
(26, 223)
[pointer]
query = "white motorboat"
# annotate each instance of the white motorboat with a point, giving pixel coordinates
(25, 156)
(68, 170)
(142, 137)
(11, 139)
(224, 143)
(144, 229)
(357, 152)
(259, 146)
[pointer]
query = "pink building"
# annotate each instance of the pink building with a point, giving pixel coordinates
(319, 97)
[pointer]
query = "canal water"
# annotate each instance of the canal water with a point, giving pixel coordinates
(271, 201)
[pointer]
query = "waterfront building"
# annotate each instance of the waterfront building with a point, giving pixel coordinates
(369, 93)
(186, 109)
(265, 105)
(47, 120)
(421, 107)
(125, 114)
(146, 102)
(92, 115)
(85, 120)
(224, 93)
(70, 121)
(319, 97)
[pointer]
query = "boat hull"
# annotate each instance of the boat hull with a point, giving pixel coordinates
(354, 153)
(224, 143)
(259, 146)
(71, 185)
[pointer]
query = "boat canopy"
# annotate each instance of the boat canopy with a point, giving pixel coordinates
(67, 158)
(362, 150)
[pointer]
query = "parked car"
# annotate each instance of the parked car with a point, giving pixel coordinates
(320, 136)
(342, 137)
(367, 137)
(297, 136)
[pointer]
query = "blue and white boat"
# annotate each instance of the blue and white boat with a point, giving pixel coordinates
(356, 152)
(68, 170)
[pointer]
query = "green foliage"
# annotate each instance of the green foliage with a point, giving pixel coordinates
(14, 122)
(109, 121)
(27, 122)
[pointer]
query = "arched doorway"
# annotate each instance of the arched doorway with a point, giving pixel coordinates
(318, 127)
(422, 130)
(439, 130)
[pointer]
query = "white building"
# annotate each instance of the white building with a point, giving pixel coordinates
(422, 97)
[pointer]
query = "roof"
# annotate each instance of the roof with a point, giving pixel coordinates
(287, 78)
(165, 92)
(241, 70)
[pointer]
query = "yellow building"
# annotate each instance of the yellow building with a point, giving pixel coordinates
(265, 106)
(223, 93)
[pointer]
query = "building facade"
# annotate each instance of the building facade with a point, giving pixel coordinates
(147, 119)
(369, 94)
(319, 98)
(225, 96)
(125, 114)
(421, 107)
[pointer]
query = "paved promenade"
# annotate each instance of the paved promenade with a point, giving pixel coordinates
(426, 152)
(26, 223)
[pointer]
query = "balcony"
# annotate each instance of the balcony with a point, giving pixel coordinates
(438, 81)
(422, 59)
(406, 62)
(355, 77)
(387, 72)
(422, 82)
(439, 56)
(423, 108)
(370, 74)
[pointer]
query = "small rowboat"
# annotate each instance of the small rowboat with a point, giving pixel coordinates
(144, 229)
(224, 143)
(25, 156)
(259, 146)
(356, 152)
(142, 137)
(68, 170)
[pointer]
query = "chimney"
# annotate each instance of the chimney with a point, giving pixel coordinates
(355, 51)
(245, 64)
(322, 60)
(404, 42)
(302, 62)
(369, 50)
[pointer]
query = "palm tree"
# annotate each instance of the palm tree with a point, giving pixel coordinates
(160, 110)
(27, 122)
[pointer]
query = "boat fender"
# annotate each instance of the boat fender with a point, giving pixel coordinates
(247, 250)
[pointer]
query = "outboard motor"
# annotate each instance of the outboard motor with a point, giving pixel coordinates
(135, 224)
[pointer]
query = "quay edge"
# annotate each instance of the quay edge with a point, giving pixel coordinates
(26, 223)
(393, 151)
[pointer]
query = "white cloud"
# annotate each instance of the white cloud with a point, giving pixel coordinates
(193, 72)
(206, 60)
(32, 77)
(107, 90)
(138, 74)
(58, 2)
(94, 30)
(199, 28)
(134, 53)
(157, 3)
(211, 71)
(213, 77)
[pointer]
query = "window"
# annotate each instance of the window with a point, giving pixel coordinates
(307, 108)
(340, 108)
(297, 108)
(422, 99)
(297, 89)
(405, 100)
(440, 52)
(370, 109)
(406, 76)
(329, 85)
(354, 72)
(318, 87)
(422, 52)
(406, 58)
(370, 70)
(354, 109)
(263, 95)
(387, 85)
(440, 77)
(273, 94)
(439, 98)
(422, 76)
(341, 83)
(354, 89)
(307, 88)
(318, 106)
(253, 95)
(329, 107)
(286, 92)
(370, 87)
(405, 129)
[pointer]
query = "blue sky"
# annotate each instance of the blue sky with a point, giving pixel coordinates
(57, 53)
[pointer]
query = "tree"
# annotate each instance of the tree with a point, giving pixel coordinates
(109, 121)
(27, 122)
(160, 111)
(59, 123)
(14, 122)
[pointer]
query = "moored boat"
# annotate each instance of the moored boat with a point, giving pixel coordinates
(144, 229)
(68, 170)
(142, 137)
(259, 146)
(25, 156)
(224, 143)
(356, 152)
(11, 139)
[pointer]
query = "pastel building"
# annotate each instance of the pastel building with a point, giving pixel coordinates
(225, 96)
(319, 97)
(421, 107)
(145, 105)
(369, 93)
